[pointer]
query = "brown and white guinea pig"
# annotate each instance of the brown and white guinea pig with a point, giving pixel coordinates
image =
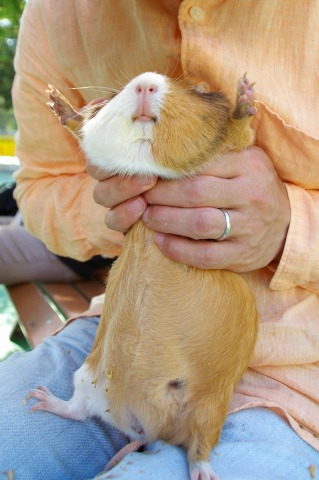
(173, 340)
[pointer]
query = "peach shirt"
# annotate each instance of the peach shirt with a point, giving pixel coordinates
(103, 43)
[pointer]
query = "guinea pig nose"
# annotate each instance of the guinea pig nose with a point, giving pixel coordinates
(146, 88)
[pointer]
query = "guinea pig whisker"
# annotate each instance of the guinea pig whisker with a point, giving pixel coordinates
(97, 88)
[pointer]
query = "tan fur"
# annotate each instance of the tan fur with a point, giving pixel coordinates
(174, 340)
(198, 130)
(163, 321)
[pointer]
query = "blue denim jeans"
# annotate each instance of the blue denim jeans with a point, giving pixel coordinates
(255, 444)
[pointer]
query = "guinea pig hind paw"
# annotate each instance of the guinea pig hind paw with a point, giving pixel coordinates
(47, 401)
(202, 470)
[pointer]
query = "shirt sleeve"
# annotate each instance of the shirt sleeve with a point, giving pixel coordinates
(54, 192)
(299, 263)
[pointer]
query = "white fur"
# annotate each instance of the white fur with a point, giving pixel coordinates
(115, 143)
(88, 400)
(202, 471)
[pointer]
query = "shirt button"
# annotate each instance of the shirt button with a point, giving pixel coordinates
(196, 13)
(203, 87)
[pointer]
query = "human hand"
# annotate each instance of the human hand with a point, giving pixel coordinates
(186, 213)
(123, 197)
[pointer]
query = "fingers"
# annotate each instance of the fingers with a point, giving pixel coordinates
(200, 191)
(235, 163)
(225, 183)
(185, 215)
(243, 183)
(201, 224)
(205, 255)
(112, 191)
(123, 197)
(123, 216)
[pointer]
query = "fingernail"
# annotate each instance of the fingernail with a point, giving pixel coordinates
(136, 206)
(145, 215)
(159, 238)
(144, 180)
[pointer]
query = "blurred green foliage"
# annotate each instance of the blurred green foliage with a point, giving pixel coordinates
(10, 14)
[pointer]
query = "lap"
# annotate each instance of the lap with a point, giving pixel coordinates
(255, 443)
(43, 445)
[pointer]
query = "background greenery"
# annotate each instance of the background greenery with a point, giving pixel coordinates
(10, 13)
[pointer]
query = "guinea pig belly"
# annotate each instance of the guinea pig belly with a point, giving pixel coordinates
(175, 344)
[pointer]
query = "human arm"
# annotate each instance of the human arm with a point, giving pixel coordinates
(54, 192)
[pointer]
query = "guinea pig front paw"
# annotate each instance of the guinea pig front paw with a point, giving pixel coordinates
(60, 106)
(47, 401)
(245, 99)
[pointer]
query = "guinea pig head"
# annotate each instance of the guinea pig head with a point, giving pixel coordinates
(156, 126)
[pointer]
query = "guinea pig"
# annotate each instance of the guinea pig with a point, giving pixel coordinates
(173, 340)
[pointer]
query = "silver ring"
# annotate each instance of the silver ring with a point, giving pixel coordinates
(227, 226)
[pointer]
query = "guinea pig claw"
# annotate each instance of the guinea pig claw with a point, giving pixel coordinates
(245, 99)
